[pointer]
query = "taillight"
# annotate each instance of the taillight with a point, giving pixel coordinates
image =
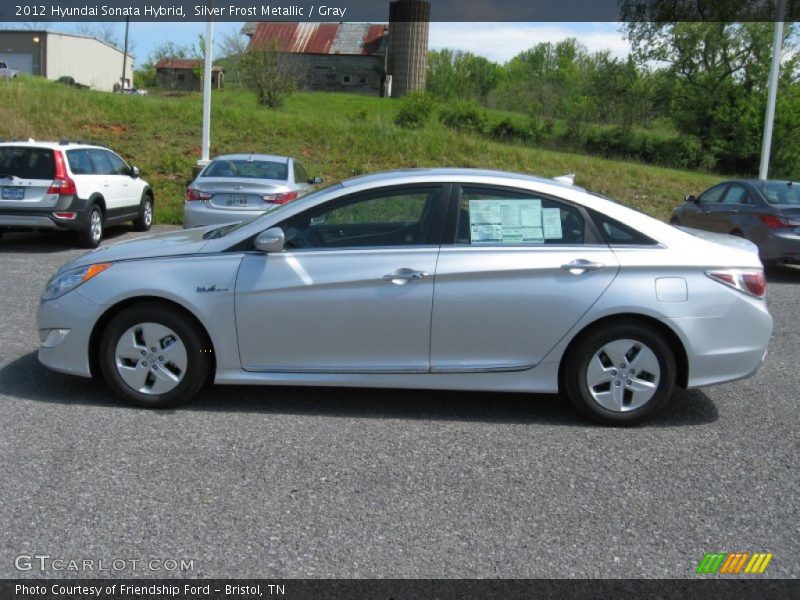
(778, 222)
(750, 282)
(284, 198)
(192, 195)
(62, 185)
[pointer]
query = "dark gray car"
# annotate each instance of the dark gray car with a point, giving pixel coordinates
(765, 212)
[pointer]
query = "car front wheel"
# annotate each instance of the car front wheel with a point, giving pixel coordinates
(154, 356)
(619, 373)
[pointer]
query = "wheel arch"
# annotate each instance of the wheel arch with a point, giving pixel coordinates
(675, 343)
(98, 200)
(114, 310)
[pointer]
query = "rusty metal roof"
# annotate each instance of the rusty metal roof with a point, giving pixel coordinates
(183, 63)
(365, 39)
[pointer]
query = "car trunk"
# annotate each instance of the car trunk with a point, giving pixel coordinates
(240, 194)
(25, 176)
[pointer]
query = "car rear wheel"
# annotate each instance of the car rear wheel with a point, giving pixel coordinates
(619, 373)
(154, 356)
(145, 218)
(92, 233)
(674, 221)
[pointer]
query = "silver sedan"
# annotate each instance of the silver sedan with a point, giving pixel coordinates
(443, 279)
(237, 187)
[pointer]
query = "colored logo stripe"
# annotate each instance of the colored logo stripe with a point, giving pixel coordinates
(734, 562)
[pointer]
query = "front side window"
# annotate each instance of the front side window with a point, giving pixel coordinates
(398, 217)
(300, 174)
(118, 166)
(488, 216)
(714, 195)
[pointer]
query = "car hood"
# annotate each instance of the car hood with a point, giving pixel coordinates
(169, 243)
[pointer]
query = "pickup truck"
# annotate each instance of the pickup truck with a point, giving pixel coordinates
(6, 72)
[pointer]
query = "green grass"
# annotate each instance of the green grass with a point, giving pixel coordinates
(335, 135)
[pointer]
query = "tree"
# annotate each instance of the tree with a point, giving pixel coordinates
(720, 73)
(270, 73)
(232, 48)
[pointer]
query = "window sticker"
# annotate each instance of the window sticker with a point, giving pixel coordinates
(551, 223)
(506, 221)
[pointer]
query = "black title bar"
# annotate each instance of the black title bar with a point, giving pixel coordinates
(48, 12)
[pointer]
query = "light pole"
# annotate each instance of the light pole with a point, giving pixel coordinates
(774, 75)
(209, 43)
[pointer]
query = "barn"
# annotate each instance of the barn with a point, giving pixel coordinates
(52, 54)
(327, 57)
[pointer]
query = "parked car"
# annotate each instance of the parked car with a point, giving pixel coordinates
(235, 187)
(443, 279)
(765, 212)
(6, 72)
(70, 186)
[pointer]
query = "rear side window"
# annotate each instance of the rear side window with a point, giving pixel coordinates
(497, 216)
(102, 166)
(617, 234)
(79, 162)
(27, 163)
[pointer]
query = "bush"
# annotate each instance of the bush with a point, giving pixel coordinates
(683, 151)
(415, 110)
(509, 129)
(464, 116)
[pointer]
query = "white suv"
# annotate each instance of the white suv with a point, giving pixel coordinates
(70, 186)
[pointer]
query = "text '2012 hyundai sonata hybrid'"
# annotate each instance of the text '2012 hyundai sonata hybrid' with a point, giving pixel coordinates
(437, 279)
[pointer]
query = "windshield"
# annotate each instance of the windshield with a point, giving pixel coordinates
(247, 169)
(778, 192)
(274, 208)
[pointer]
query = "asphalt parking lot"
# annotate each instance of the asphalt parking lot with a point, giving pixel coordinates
(314, 482)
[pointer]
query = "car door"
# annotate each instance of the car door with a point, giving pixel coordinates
(705, 213)
(736, 210)
(352, 291)
(107, 182)
(122, 173)
(523, 270)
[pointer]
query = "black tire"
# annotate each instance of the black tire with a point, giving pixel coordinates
(145, 219)
(737, 233)
(89, 236)
(674, 221)
(592, 347)
(192, 375)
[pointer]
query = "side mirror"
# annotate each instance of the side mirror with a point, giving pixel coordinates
(690, 198)
(270, 240)
(135, 172)
(316, 180)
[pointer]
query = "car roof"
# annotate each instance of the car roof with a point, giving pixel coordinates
(269, 157)
(400, 175)
(30, 143)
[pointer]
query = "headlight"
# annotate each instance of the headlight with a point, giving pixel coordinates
(61, 283)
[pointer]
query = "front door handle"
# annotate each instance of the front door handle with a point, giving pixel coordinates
(403, 276)
(581, 265)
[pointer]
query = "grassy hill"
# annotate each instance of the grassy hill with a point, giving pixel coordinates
(336, 136)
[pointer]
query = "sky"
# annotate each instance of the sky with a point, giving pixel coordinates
(496, 41)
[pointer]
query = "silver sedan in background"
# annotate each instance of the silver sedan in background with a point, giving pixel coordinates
(236, 187)
(442, 279)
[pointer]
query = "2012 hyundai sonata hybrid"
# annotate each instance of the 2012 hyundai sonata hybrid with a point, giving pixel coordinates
(439, 279)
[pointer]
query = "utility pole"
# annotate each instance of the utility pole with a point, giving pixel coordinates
(774, 75)
(125, 54)
(209, 43)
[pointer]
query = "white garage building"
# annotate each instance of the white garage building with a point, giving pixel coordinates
(54, 54)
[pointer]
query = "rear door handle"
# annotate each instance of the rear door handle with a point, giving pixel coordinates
(581, 265)
(403, 276)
